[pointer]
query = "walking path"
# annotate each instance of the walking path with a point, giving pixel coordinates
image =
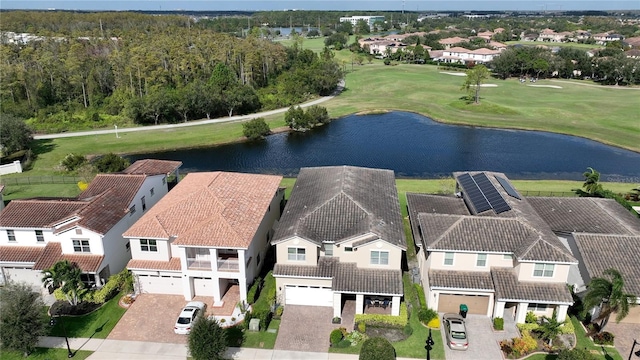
(192, 123)
(106, 349)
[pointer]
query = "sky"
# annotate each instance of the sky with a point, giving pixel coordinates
(347, 5)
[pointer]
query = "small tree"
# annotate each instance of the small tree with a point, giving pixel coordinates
(110, 163)
(296, 118)
(15, 135)
(207, 340)
(592, 186)
(474, 80)
(21, 318)
(550, 328)
(255, 129)
(317, 114)
(65, 275)
(72, 162)
(377, 348)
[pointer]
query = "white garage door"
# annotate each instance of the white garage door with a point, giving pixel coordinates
(203, 286)
(171, 285)
(308, 295)
(31, 277)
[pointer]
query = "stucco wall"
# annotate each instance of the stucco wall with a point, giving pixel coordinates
(362, 255)
(467, 261)
(525, 273)
(311, 252)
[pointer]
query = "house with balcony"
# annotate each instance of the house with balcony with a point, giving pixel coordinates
(37, 233)
(208, 236)
(461, 55)
(488, 248)
(340, 240)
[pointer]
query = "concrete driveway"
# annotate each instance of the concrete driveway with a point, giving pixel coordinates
(151, 318)
(625, 333)
(305, 328)
(483, 341)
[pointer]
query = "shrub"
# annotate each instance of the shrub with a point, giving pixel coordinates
(568, 327)
(253, 290)
(234, 336)
(255, 129)
(434, 323)
(408, 330)
(528, 327)
(385, 320)
(344, 343)
(72, 161)
(318, 114)
(531, 318)
(576, 354)
(279, 311)
(355, 337)
(498, 323)
(420, 292)
(592, 328)
(362, 327)
(377, 348)
(335, 336)
(425, 315)
(264, 315)
(524, 345)
(110, 163)
(603, 338)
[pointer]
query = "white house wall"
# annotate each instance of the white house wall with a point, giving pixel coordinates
(26, 237)
(262, 238)
(95, 241)
(163, 253)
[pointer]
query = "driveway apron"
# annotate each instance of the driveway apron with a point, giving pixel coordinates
(305, 328)
(483, 341)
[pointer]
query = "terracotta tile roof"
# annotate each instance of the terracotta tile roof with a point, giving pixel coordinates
(38, 213)
(453, 40)
(589, 215)
(172, 265)
(87, 263)
(601, 252)
(347, 277)
(468, 280)
(436, 204)
(26, 254)
(508, 288)
(337, 202)
(51, 254)
(220, 209)
(152, 167)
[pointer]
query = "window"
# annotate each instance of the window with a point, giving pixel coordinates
(144, 204)
(128, 246)
(537, 307)
(507, 257)
(258, 260)
(11, 235)
(152, 191)
(132, 210)
(296, 254)
(348, 249)
(148, 245)
(543, 270)
(39, 236)
(81, 246)
(328, 249)
(448, 258)
(379, 257)
(481, 261)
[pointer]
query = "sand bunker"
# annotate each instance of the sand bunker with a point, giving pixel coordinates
(454, 73)
(486, 85)
(547, 86)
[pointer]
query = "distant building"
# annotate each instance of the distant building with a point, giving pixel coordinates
(369, 19)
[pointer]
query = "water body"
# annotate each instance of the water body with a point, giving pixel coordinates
(417, 147)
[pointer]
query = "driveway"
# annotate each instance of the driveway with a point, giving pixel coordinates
(305, 328)
(483, 341)
(625, 333)
(151, 318)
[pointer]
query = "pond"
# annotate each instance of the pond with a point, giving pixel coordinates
(415, 146)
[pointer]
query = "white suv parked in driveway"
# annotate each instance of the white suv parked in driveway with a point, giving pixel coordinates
(188, 316)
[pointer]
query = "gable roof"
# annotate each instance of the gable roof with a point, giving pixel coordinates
(216, 209)
(585, 214)
(98, 208)
(509, 288)
(338, 202)
(601, 252)
(43, 257)
(152, 167)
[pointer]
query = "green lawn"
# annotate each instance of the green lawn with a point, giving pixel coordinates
(269, 286)
(44, 354)
(97, 324)
(262, 339)
(585, 342)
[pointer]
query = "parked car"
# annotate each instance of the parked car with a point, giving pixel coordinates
(188, 316)
(457, 337)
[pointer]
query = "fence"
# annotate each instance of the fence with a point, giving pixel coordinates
(14, 167)
(37, 180)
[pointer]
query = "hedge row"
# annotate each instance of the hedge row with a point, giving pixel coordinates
(385, 320)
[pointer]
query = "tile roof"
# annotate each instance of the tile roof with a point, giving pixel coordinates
(508, 288)
(437, 204)
(338, 202)
(347, 277)
(470, 280)
(152, 167)
(220, 209)
(26, 254)
(172, 265)
(583, 214)
(601, 252)
(52, 253)
(38, 213)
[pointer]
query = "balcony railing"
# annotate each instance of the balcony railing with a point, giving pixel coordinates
(228, 264)
(198, 264)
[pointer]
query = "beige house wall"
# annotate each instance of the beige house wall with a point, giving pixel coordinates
(525, 273)
(311, 252)
(362, 255)
(467, 261)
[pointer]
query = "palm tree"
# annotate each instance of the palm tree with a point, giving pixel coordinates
(610, 296)
(591, 182)
(550, 328)
(65, 275)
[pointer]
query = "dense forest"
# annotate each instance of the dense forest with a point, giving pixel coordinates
(93, 69)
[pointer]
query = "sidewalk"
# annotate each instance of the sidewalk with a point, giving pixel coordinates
(105, 349)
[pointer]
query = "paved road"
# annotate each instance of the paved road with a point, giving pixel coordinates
(191, 123)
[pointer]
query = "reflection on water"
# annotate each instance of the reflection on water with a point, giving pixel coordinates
(415, 146)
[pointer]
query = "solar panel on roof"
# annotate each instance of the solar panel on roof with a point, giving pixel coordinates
(473, 192)
(492, 194)
(506, 185)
